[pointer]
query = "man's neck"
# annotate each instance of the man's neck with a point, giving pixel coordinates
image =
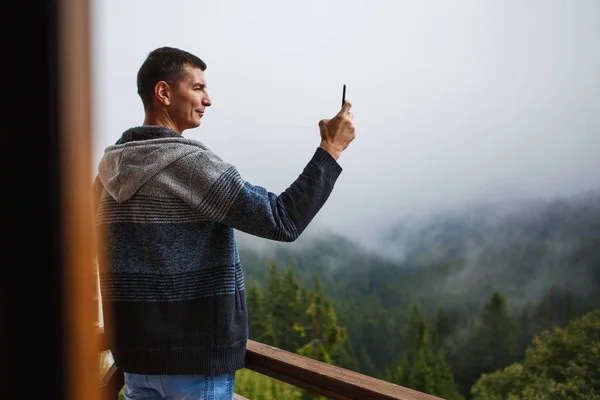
(161, 120)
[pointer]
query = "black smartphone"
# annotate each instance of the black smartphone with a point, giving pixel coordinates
(344, 95)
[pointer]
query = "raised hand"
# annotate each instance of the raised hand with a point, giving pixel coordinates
(337, 132)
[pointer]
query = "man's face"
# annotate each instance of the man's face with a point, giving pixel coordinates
(189, 99)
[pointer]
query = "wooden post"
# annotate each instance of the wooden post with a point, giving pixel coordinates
(82, 364)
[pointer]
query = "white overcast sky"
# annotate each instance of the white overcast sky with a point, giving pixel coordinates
(454, 101)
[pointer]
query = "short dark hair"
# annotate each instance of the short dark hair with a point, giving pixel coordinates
(164, 64)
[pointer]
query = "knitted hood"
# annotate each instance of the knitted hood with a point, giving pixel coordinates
(126, 166)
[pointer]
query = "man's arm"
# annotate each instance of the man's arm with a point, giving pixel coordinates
(255, 210)
(284, 217)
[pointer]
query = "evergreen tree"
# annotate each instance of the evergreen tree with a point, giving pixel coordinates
(325, 335)
(365, 365)
(323, 330)
(524, 332)
(274, 305)
(496, 334)
(423, 367)
(555, 309)
(420, 374)
(491, 345)
(291, 334)
(445, 385)
(257, 326)
(442, 329)
(415, 335)
(379, 334)
(344, 356)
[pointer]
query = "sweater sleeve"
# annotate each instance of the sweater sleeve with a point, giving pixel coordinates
(256, 211)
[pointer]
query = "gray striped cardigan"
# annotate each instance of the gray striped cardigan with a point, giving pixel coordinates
(170, 275)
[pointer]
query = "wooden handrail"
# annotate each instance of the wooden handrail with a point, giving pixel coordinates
(111, 384)
(322, 378)
(315, 376)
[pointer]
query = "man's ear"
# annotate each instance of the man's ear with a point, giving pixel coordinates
(162, 91)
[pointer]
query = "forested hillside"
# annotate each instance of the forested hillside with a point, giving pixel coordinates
(442, 302)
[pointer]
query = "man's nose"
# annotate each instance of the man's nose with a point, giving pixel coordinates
(207, 102)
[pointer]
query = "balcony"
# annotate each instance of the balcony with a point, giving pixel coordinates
(314, 376)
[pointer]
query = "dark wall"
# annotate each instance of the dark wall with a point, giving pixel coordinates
(31, 329)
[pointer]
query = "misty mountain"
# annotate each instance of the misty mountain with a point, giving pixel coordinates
(456, 258)
(344, 266)
(521, 249)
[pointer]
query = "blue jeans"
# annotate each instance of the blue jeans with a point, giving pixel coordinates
(178, 387)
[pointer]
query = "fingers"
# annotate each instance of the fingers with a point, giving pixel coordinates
(345, 108)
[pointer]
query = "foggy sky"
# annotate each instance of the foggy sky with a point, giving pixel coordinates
(454, 102)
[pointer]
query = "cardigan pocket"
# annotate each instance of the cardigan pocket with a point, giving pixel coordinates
(240, 301)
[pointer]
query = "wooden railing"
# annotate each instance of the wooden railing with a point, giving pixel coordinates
(315, 376)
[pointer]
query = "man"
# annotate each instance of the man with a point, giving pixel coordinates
(167, 207)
